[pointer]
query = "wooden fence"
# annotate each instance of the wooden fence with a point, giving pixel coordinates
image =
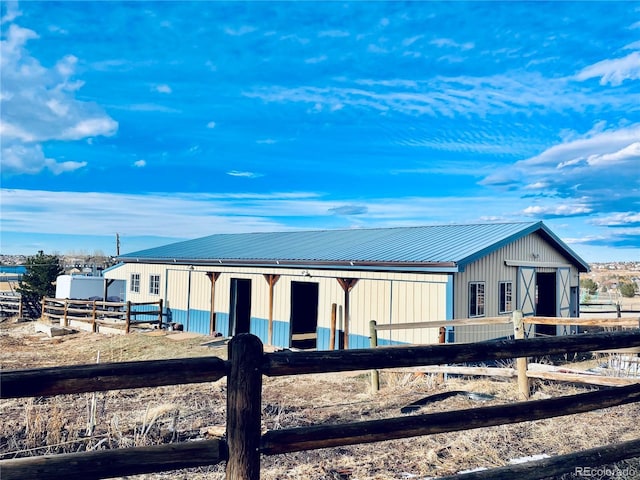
(10, 304)
(244, 442)
(522, 371)
(96, 313)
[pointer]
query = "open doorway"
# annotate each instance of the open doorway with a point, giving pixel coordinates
(546, 302)
(240, 306)
(304, 314)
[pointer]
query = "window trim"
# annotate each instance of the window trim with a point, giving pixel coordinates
(503, 305)
(474, 299)
(153, 282)
(134, 283)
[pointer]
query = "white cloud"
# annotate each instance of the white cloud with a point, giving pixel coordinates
(61, 167)
(38, 105)
(613, 72)
(595, 149)
(211, 125)
(319, 59)
(163, 88)
(28, 159)
(630, 153)
(13, 12)
(619, 219)
(536, 186)
(566, 210)
(240, 31)
(594, 174)
(447, 42)
(237, 173)
(410, 41)
(90, 127)
(333, 33)
(140, 163)
(512, 93)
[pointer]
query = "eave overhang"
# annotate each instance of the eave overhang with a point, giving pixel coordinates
(431, 267)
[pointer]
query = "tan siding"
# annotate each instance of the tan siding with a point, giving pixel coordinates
(492, 270)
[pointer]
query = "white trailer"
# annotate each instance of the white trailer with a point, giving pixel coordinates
(80, 287)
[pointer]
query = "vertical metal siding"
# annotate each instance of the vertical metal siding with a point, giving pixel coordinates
(492, 270)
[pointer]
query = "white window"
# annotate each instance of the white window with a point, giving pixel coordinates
(505, 304)
(154, 284)
(135, 283)
(476, 299)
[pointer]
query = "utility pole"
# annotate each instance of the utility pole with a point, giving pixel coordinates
(117, 244)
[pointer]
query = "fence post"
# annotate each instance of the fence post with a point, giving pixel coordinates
(375, 375)
(332, 329)
(160, 314)
(127, 320)
(244, 407)
(20, 308)
(94, 318)
(65, 320)
(521, 362)
(42, 313)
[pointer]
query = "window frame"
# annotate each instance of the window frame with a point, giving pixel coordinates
(477, 300)
(504, 305)
(134, 283)
(154, 281)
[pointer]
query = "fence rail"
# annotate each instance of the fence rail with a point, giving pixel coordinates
(247, 364)
(522, 372)
(120, 315)
(10, 304)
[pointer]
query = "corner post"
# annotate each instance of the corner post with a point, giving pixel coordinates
(521, 362)
(244, 407)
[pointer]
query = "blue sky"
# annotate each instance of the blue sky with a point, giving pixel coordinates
(163, 121)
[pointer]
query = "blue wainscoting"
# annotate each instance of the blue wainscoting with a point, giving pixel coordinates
(222, 323)
(355, 341)
(260, 328)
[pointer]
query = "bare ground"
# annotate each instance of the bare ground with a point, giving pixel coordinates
(181, 413)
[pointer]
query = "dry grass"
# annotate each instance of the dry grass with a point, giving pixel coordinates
(180, 413)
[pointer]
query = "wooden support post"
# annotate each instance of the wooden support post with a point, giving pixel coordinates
(160, 314)
(244, 407)
(347, 285)
(375, 375)
(94, 317)
(521, 362)
(332, 328)
(44, 303)
(271, 280)
(618, 312)
(442, 335)
(65, 319)
(127, 319)
(20, 307)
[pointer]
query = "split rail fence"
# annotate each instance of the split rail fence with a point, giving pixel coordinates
(10, 304)
(97, 313)
(244, 443)
(521, 325)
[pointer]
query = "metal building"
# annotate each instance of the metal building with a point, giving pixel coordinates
(282, 286)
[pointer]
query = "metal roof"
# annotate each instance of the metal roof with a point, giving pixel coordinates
(443, 247)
